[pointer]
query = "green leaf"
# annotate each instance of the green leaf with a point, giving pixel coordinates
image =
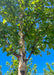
(4, 21)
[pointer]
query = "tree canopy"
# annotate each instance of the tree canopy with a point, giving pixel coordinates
(26, 25)
(34, 18)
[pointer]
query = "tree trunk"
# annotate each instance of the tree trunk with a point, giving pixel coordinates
(22, 62)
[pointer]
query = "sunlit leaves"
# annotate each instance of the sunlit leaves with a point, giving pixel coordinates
(18, 24)
(4, 21)
(5, 12)
(33, 2)
(49, 70)
(37, 0)
(10, 46)
(7, 49)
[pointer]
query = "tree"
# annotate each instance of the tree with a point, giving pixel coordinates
(27, 26)
(13, 68)
(0, 70)
(50, 69)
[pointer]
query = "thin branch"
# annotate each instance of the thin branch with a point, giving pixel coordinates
(17, 55)
(30, 55)
(32, 49)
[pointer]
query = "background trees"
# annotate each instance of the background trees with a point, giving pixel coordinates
(13, 68)
(49, 70)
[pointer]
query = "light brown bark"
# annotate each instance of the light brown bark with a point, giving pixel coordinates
(22, 63)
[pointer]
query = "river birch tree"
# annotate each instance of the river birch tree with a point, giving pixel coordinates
(26, 26)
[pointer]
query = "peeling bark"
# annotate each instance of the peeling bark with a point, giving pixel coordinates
(22, 62)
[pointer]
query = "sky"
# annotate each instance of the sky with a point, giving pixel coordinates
(39, 61)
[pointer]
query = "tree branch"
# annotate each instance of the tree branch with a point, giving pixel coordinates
(30, 55)
(32, 49)
(17, 55)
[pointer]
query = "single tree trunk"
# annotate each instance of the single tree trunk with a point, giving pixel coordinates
(22, 62)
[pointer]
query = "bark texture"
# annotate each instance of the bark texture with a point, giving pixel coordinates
(22, 62)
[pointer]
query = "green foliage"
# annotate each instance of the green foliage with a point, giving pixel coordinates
(49, 70)
(0, 70)
(13, 68)
(32, 12)
(31, 69)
